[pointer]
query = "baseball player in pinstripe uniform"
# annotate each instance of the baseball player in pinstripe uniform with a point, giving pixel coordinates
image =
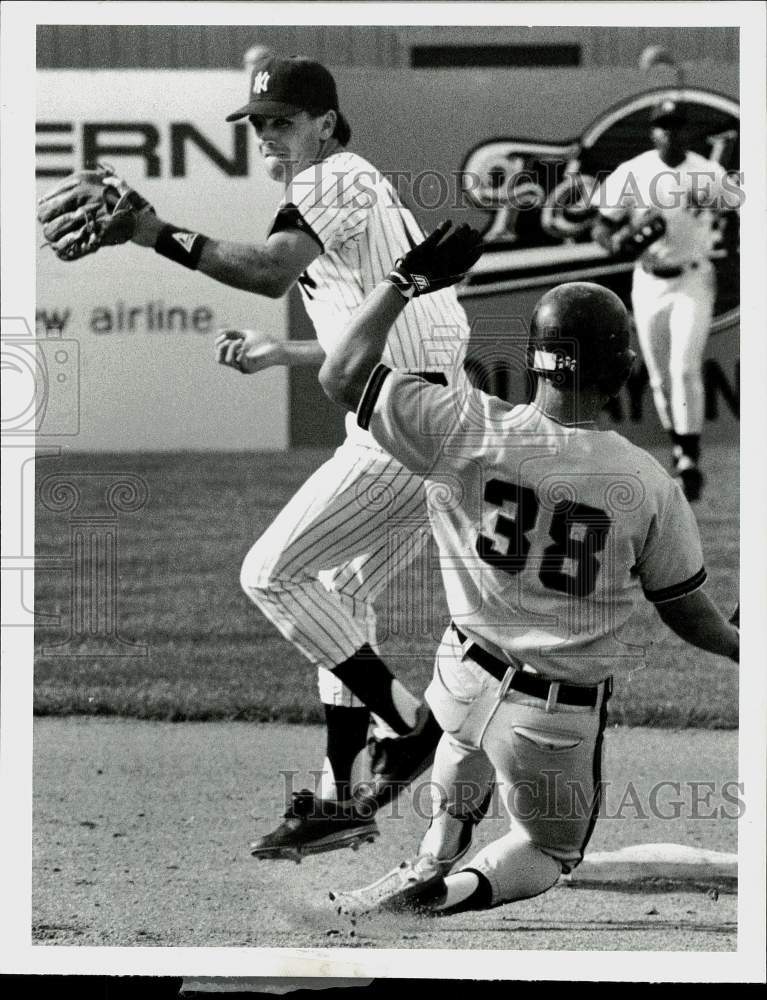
(552, 532)
(674, 285)
(361, 518)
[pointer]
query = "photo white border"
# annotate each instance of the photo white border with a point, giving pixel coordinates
(17, 954)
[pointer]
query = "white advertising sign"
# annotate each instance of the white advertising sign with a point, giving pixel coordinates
(125, 337)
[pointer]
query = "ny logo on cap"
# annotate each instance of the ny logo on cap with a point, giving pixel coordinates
(260, 82)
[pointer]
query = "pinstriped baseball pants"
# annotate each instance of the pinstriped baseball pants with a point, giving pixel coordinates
(357, 522)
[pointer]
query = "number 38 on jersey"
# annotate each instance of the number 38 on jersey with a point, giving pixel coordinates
(564, 542)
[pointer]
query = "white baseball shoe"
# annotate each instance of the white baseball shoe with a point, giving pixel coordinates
(413, 884)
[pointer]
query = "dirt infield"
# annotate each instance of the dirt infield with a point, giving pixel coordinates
(141, 833)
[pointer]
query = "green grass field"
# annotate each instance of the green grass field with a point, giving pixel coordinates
(210, 655)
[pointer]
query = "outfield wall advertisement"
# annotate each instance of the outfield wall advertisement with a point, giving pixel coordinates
(514, 156)
(133, 330)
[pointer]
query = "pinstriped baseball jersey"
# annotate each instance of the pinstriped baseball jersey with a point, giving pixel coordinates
(361, 518)
(356, 217)
(547, 532)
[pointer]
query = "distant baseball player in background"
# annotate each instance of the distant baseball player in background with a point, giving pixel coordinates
(361, 518)
(554, 530)
(663, 207)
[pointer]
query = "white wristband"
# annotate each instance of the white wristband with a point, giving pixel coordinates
(405, 288)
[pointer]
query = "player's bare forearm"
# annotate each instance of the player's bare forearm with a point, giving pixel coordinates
(245, 266)
(697, 620)
(303, 353)
(346, 369)
(268, 269)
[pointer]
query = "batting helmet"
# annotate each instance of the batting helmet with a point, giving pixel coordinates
(579, 337)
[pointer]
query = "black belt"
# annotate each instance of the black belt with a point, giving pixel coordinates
(529, 683)
(436, 378)
(673, 272)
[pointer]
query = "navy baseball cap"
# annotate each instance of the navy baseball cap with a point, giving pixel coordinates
(287, 86)
(668, 113)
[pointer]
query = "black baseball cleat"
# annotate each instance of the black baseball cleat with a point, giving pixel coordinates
(396, 761)
(314, 826)
(692, 478)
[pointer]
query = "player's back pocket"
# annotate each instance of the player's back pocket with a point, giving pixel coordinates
(548, 741)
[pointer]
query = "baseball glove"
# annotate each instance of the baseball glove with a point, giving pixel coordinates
(442, 259)
(88, 210)
(634, 238)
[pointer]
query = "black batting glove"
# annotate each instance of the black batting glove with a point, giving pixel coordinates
(441, 260)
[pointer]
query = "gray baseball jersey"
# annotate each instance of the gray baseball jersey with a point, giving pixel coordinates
(547, 533)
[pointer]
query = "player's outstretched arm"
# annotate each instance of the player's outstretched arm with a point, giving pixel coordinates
(442, 259)
(348, 366)
(95, 208)
(251, 351)
(697, 620)
(269, 269)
